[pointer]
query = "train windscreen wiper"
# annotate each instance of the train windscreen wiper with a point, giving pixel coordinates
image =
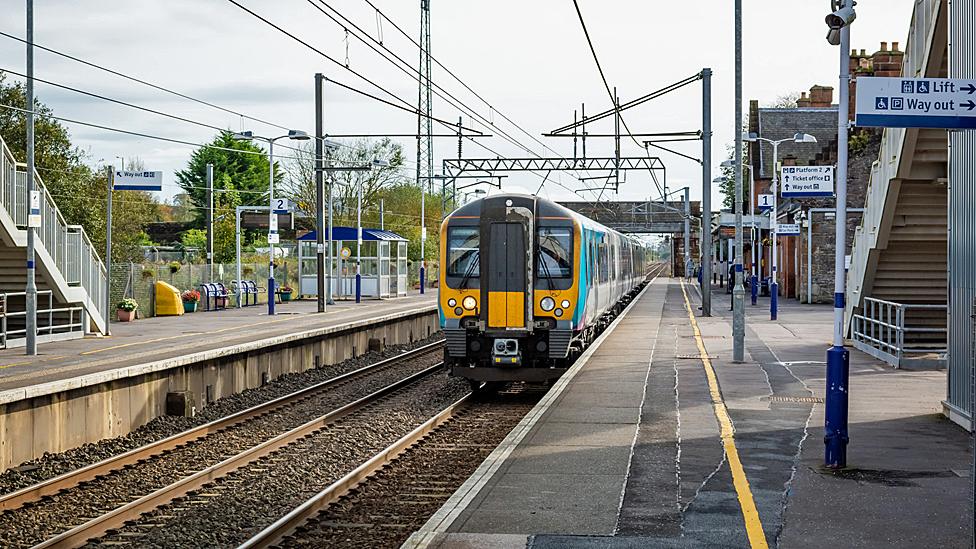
(470, 270)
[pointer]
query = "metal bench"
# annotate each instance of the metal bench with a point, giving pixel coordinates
(214, 296)
(246, 292)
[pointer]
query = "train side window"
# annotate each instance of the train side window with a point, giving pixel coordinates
(604, 263)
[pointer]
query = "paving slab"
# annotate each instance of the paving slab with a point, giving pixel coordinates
(577, 480)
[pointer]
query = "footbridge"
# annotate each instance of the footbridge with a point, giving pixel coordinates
(639, 217)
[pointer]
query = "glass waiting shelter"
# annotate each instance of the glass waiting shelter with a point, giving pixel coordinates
(383, 263)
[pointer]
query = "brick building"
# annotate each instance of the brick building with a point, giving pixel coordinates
(806, 263)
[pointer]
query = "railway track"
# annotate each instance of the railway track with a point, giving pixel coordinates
(35, 514)
(394, 493)
(380, 503)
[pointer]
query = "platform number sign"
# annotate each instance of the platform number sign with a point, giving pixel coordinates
(280, 205)
(765, 202)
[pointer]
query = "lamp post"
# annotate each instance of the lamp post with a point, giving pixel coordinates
(838, 359)
(297, 135)
(753, 279)
(797, 138)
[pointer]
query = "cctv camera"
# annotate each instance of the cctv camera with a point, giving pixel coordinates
(841, 18)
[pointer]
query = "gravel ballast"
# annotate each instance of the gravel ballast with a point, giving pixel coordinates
(37, 521)
(228, 511)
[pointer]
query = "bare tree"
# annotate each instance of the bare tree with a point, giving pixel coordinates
(300, 183)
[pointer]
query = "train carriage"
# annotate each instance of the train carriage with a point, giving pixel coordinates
(525, 283)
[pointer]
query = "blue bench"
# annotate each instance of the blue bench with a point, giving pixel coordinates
(214, 296)
(247, 292)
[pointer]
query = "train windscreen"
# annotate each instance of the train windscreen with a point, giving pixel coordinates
(463, 251)
(555, 257)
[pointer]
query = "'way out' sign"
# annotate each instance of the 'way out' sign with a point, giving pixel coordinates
(806, 181)
(137, 181)
(916, 103)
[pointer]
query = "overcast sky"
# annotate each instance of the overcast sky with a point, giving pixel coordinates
(529, 59)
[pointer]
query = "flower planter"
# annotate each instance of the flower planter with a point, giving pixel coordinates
(125, 316)
(189, 307)
(285, 296)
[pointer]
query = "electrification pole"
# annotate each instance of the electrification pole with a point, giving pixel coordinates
(31, 290)
(319, 196)
(425, 146)
(838, 358)
(738, 292)
(706, 192)
(773, 227)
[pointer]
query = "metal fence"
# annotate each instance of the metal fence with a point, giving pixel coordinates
(881, 330)
(50, 320)
(67, 245)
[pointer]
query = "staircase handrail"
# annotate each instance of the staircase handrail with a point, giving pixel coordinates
(53, 234)
(886, 168)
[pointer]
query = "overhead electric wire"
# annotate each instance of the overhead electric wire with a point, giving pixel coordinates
(144, 82)
(358, 74)
(139, 134)
(606, 84)
(410, 70)
(458, 79)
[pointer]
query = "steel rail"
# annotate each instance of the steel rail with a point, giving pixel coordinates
(276, 533)
(19, 498)
(116, 518)
(286, 525)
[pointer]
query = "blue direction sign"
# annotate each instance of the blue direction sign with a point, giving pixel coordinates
(916, 103)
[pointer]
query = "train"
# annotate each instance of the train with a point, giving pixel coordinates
(526, 284)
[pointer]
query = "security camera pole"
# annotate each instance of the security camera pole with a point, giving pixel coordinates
(739, 292)
(838, 358)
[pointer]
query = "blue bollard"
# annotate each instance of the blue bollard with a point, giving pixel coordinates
(423, 279)
(359, 288)
(773, 300)
(754, 287)
(835, 420)
(271, 296)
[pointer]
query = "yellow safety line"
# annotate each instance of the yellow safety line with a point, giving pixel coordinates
(754, 529)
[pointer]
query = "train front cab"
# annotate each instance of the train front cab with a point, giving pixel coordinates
(507, 300)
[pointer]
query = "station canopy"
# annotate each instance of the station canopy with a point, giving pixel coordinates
(349, 233)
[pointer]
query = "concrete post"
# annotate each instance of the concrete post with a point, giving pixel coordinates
(838, 358)
(738, 292)
(706, 243)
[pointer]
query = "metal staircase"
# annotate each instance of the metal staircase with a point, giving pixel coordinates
(900, 250)
(70, 274)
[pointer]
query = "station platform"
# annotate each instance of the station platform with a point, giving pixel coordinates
(655, 438)
(160, 338)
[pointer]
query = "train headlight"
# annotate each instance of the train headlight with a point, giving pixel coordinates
(547, 304)
(559, 313)
(452, 302)
(564, 304)
(469, 303)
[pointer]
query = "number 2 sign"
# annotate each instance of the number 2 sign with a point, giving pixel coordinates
(280, 205)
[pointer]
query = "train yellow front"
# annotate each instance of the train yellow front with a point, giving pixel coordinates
(526, 284)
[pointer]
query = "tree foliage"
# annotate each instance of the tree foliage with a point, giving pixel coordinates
(78, 190)
(240, 179)
(727, 186)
